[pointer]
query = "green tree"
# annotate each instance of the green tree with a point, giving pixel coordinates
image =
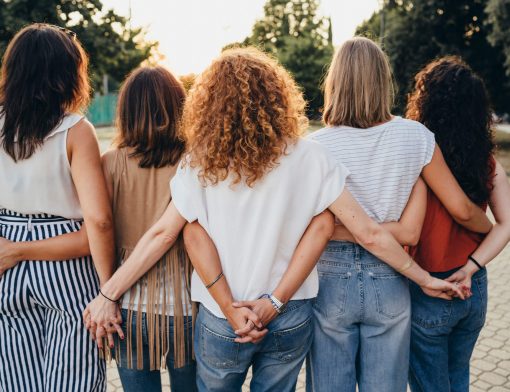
(498, 12)
(292, 31)
(113, 47)
(419, 31)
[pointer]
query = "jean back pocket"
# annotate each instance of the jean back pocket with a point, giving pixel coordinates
(219, 351)
(294, 342)
(391, 293)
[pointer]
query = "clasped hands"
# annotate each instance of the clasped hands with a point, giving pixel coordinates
(249, 319)
(103, 319)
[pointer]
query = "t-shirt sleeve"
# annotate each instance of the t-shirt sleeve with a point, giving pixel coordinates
(430, 145)
(184, 188)
(334, 176)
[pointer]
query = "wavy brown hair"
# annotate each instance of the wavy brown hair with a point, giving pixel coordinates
(452, 101)
(44, 76)
(148, 117)
(241, 115)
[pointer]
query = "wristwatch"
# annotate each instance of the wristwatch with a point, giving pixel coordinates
(278, 305)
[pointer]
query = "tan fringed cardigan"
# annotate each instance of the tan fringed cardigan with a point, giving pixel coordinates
(140, 196)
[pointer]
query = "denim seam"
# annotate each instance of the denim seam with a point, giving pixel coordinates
(293, 329)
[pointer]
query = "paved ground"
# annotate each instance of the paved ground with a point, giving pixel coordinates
(490, 370)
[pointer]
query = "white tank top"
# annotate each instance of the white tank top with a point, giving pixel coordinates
(41, 184)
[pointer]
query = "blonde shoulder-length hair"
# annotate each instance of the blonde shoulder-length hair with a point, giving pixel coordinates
(359, 89)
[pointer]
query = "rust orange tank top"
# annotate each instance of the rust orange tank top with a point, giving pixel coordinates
(444, 244)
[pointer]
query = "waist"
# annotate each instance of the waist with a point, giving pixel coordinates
(8, 217)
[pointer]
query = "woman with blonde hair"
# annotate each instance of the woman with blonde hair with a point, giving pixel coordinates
(254, 185)
(363, 309)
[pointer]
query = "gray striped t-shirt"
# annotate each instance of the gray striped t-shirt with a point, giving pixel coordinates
(385, 162)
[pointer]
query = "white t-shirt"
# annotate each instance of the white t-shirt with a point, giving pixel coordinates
(385, 162)
(256, 230)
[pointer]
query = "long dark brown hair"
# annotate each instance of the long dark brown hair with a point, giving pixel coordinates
(44, 76)
(148, 117)
(452, 101)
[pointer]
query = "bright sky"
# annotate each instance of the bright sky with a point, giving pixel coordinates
(192, 32)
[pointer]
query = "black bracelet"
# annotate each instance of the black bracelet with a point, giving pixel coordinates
(109, 299)
(214, 281)
(476, 262)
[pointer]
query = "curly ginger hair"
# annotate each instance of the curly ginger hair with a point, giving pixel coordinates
(242, 113)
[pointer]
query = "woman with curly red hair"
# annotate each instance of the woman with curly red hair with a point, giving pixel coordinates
(451, 100)
(254, 185)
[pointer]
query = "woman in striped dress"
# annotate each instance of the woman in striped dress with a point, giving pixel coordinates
(51, 182)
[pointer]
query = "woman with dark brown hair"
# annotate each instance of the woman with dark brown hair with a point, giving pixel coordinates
(254, 185)
(51, 181)
(157, 309)
(451, 100)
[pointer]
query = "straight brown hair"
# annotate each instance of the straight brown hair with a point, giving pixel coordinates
(44, 77)
(149, 115)
(359, 89)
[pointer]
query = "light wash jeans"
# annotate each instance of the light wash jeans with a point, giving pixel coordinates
(361, 324)
(443, 336)
(182, 379)
(222, 364)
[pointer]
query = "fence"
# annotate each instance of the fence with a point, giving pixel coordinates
(102, 110)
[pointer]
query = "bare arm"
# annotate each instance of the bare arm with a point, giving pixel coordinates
(83, 152)
(102, 312)
(383, 245)
(61, 247)
(499, 236)
(440, 179)
(407, 230)
(151, 247)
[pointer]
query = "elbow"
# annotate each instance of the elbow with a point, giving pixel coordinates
(100, 222)
(194, 235)
(464, 212)
(413, 238)
(323, 225)
(371, 237)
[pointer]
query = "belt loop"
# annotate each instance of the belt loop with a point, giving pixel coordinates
(29, 223)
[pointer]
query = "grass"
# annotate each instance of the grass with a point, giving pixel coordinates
(105, 135)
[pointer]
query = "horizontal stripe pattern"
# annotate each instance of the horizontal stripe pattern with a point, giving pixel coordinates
(43, 343)
(385, 162)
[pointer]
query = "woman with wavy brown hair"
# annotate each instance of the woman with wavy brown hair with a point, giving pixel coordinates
(254, 185)
(51, 181)
(451, 100)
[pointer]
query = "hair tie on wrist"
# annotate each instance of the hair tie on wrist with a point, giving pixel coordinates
(109, 299)
(480, 267)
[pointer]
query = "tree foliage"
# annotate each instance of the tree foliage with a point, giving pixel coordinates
(293, 32)
(419, 31)
(498, 12)
(113, 47)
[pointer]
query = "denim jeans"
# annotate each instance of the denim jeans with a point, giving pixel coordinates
(182, 379)
(361, 326)
(222, 364)
(443, 336)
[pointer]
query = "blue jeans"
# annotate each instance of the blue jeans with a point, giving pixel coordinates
(443, 336)
(182, 379)
(361, 326)
(222, 364)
